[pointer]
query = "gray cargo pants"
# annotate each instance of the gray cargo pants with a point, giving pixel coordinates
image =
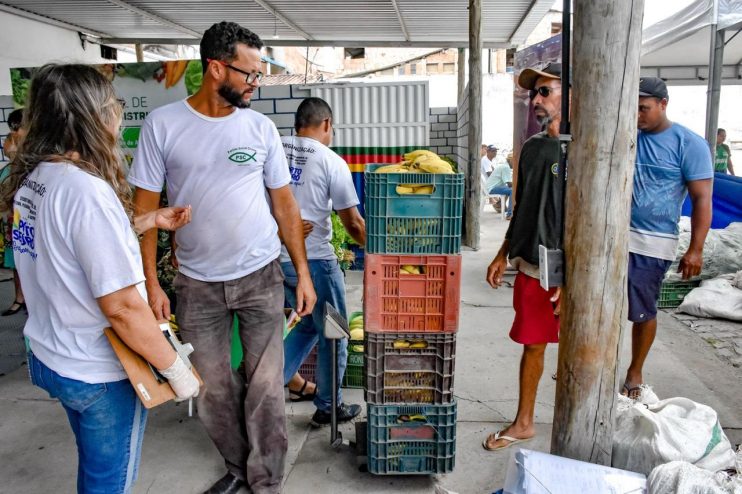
(242, 413)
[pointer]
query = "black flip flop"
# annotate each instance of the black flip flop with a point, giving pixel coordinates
(630, 390)
(300, 395)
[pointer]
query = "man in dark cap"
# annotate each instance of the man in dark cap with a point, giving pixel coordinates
(536, 221)
(671, 162)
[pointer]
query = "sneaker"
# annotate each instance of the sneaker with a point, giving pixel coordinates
(345, 413)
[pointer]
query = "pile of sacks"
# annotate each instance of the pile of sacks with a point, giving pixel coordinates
(678, 443)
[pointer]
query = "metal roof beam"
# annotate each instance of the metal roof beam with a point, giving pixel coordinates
(156, 18)
(401, 20)
(515, 39)
(50, 21)
(283, 19)
(318, 42)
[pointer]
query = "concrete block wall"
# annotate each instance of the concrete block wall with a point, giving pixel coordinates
(461, 148)
(443, 130)
(279, 103)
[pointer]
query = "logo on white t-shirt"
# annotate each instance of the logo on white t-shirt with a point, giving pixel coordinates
(242, 156)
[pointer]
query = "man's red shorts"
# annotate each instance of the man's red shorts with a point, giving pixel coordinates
(535, 321)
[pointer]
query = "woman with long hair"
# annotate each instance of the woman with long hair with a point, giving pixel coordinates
(78, 258)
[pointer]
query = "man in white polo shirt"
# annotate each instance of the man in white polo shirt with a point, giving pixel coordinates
(321, 182)
(227, 161)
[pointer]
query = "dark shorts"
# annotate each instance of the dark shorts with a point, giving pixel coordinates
(644, 281)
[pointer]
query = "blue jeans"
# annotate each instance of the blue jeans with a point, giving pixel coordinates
(505, 191)
(108, 421)
(330, 287)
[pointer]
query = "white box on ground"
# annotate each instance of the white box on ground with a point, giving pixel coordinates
(533, 472)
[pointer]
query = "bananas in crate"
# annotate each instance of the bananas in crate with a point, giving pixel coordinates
(419, 161)
(356, 333)
(410, 269)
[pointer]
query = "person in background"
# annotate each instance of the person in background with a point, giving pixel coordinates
(500, 182)
(723, 158)
(321, 182)
(228, 162)
(671, 163)
(536, 221)
(486, 161)
(483, 151)
(77, 254)
(9, 148)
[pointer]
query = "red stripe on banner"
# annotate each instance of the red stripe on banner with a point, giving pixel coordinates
(372, 158)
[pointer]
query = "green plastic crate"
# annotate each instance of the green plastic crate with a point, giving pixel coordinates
(673, 293)
(424, 446)
(413, 223)
(354, 370)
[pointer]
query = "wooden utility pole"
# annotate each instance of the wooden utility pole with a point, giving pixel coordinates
(600, 180)
(473, 172)
(139, 52)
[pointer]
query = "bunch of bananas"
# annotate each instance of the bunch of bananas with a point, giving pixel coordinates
(403, 344)
(419, 161)
(410, 269)
(356, 333)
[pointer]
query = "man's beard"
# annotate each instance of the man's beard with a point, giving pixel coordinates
(544, 120)
(233, 97)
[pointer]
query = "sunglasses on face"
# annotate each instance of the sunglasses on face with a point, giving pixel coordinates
(250, 77)
(544, 91)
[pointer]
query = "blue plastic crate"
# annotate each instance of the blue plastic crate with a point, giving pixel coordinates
(358, 262)
(413, 223)
(411, 439)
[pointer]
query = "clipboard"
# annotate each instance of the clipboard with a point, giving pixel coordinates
(150, 391)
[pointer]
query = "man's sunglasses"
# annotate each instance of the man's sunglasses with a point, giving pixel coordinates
(250, 77)
(544, 91)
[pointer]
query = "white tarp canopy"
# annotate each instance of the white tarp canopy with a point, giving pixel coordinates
(678, 48)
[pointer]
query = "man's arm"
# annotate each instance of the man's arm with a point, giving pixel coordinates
(354, 224)
(700, 192)
(499, 264)
(146, 201)
(291, 230)
(730, 166)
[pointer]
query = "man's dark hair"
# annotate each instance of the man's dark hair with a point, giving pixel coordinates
(312, 112)
(15, 118)
(220, 40)
(718, 131)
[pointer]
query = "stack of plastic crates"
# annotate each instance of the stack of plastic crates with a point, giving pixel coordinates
(411, 294)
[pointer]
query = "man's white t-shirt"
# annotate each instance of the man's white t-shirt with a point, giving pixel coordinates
(486, 165)
(73, 243)
(221, 167)
(321, 181)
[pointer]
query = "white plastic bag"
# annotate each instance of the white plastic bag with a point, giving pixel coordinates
(648, 435)
(680, 477)
(719, 297)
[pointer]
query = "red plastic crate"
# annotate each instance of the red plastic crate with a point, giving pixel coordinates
(308, 368)
(401, 302)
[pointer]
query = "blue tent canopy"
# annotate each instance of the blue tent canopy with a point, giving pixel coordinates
(727, 201)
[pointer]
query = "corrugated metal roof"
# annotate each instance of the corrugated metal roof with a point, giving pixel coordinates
(366, 22)
(377, 114)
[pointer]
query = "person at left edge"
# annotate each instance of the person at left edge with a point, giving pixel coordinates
(227, 161)
(78, 257)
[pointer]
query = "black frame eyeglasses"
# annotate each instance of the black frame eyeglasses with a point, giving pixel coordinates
(543, 91)
(250, 77)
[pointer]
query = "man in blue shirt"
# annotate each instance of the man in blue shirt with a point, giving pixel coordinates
(671, 161)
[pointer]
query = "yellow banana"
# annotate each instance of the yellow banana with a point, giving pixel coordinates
(401, 189)
(435, 166)
(418, 152)
(424, 189)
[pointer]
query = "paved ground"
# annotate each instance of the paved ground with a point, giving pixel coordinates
(37, 452)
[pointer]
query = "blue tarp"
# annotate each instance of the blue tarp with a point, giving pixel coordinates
(727, 200)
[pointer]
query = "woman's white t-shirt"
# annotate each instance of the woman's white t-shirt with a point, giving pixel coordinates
(73, 243)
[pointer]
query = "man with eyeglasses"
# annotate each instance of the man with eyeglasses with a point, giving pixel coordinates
(536, 221)
(227, 161)
(321, 182)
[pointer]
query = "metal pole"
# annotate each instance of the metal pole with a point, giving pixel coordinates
(716, 64)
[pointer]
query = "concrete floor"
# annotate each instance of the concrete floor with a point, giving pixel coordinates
(37, 450)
